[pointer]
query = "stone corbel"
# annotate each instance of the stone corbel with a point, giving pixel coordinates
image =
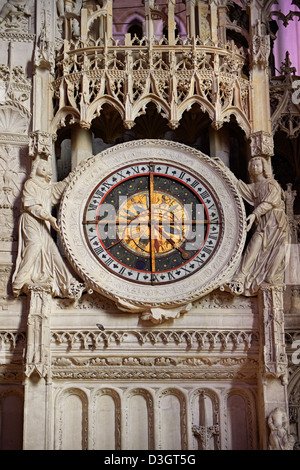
(261, 50)
(262, 143)
(40, 144)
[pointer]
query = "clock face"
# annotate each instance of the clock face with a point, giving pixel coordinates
(152, 223)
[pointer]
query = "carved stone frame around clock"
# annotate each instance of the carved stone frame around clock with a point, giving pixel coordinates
(142, 298)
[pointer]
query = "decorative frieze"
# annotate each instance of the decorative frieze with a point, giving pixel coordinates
(240, 369)
(202, 340)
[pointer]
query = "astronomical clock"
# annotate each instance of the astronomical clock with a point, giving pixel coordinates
(152, 224)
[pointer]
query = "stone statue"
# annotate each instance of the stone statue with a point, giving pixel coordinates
(280, 438)
(39, 262)
(264, 260)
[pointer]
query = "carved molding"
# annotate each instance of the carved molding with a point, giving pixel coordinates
(155, 368)
(16, 37)
(200, 339)
(61, 419)
(251, 413)
(13, 338)
(118, 420)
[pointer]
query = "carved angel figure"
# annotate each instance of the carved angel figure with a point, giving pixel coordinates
(39, 261)
(264, 260)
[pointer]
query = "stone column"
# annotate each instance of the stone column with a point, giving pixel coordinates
(149, 6)
(109, 19)
(262, 142)
(214, 20)
(190, 18)
(83, 23)
(222, 17)
(273, 374)
(81, 144)
(220, 145)
(171, 22)
(204, 26)
(44, 63)
(293, 272)
(37, 418)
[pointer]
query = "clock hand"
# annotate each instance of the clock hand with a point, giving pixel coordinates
(151, 202)
(184, 254)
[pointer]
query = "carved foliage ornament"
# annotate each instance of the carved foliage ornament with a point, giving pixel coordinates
(152, 225)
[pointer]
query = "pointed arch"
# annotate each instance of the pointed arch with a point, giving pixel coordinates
(94, 109)
(240, 118)
(205, 106)
(60, 118)
(140, 107)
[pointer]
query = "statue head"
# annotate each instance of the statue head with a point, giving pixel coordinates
(258, 165)
(42, 169)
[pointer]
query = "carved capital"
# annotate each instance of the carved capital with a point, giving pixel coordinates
(40, 144)
(262, 143)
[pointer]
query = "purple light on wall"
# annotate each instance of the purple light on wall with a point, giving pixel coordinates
(288, 38)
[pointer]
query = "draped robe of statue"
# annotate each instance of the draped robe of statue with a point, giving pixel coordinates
(39, 261)
(265, 258)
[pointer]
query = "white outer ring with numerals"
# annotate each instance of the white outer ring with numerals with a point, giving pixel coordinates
(172, 274)
(218, 270)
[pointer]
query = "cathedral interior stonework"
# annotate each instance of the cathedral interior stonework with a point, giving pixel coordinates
(150, 225)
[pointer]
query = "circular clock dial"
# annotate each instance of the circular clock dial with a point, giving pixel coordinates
(152, 223)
